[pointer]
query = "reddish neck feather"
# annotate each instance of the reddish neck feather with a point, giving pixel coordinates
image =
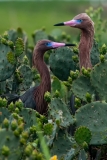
(45, 84)
(85, 47)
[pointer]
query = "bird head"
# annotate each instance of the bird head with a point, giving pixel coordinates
(45, 45)
(82, 21)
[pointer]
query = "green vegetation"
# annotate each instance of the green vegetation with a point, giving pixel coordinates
(31, 16)
(27, 135)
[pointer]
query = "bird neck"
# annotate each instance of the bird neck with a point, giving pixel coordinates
(85, 46)
(45, 85)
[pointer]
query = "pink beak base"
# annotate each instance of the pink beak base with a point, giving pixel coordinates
(67, 23)
(57, 45)
(70, 23)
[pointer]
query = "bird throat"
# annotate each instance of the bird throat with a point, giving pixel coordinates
(44, 86)
(85, 46)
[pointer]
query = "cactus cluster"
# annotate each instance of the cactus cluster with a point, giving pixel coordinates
(24, 133)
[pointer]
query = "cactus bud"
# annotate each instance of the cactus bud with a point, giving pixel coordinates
(11, 58)
(25, 134)
(22, 141)
(73, 75)
(15, 115)
(20, 120)
(37, 76)
(75, 59)
(5, 35)
(10, 43)
(34, 154)
(25, 60)
(16, 110)
(75, 50)
(11, 106)
(103, 49)
(85, 146)
(77, 102)
(67, 84)
(28, 150)
(19, 47)
(57, 94)
(21, 127)
(88, 97)
(33, 129)
(5, 151)
(6, 123)
(102, 58)
(85, 72)
(70, 80)
(4, 41)
(4, 102)
(48, 128)
(47, 97)
(16, 133)
(13, 125)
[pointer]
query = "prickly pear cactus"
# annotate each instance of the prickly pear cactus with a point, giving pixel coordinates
(62, 146)
(82, 155)
(93, 116)
(29, 54)
(14, 34)
(61, 62)
(82, 134)
(8, 149)
(98, 79)
(4, 113)
(58, 88)
(19, 47)
(27, 77)
(6, 68)
(39, 35)
(29, 116)
(59, 112)
(95, 53)
(81, 86)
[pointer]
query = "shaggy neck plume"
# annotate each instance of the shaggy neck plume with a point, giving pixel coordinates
(85, 46)
(45, 85)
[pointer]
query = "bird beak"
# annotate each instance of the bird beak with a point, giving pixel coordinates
(57, 45)
(67, 23)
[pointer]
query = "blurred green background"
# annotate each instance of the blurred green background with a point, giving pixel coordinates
(33, 15)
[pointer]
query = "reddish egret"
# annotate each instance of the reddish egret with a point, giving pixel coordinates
(34, 97)
(86, 25)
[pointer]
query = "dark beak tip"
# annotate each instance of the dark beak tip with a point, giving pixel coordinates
(59, 24)
(70, 44)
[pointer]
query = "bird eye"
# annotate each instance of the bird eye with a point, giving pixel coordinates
(79, 20)
(48, 44)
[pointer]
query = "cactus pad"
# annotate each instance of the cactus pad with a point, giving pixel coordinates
(95, 53)
(6, 68)
(61, 62)
(27, 76)
(38, 35)
(82, 134)
(99, 79)
(81, 86)
(62, 146)
(59, 112)
(93, 116)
